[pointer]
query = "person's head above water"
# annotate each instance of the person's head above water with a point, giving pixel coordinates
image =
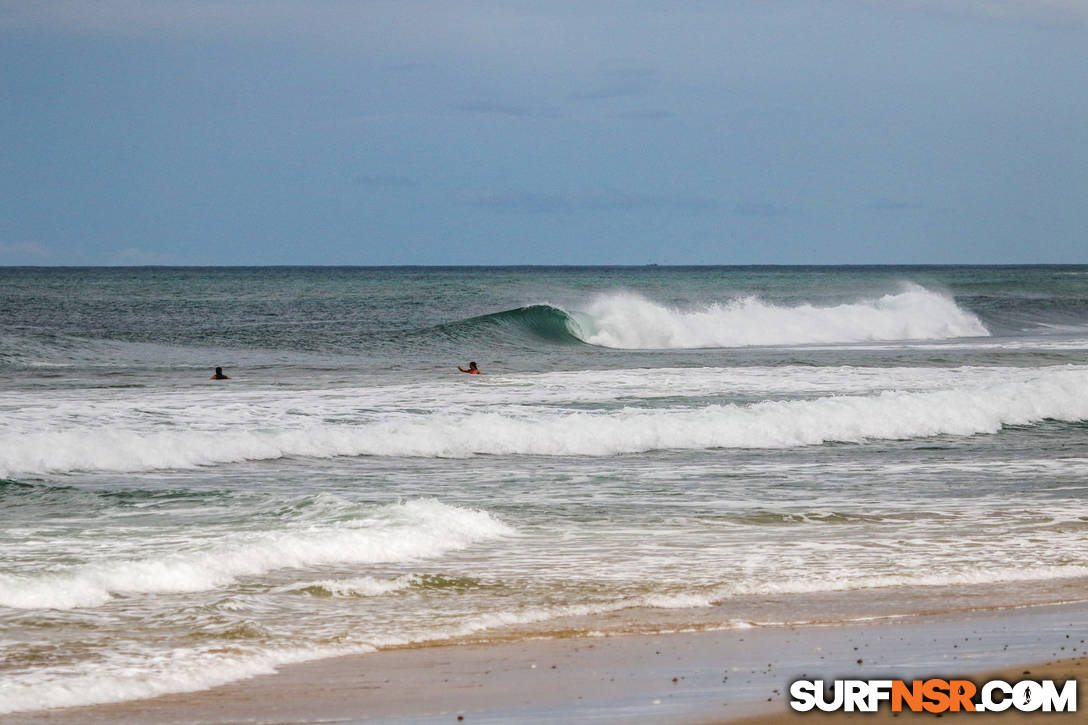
(471, 369)
(219, 375)
(472, 366)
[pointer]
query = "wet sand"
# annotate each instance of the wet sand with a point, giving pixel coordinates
(687, 678)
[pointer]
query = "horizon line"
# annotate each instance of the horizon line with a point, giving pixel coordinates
(866, 265)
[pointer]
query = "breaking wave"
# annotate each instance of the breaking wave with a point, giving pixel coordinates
(629, 321)
(1056, 394)
(410, 531)
(626, 320)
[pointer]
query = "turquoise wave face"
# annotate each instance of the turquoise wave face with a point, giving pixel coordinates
(533, 322)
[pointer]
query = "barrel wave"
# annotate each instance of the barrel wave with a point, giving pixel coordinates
(626, 320)
(541, 322)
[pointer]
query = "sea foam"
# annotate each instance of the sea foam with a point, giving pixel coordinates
(183, 670)
(408, 531)
(188, 670)
(1053, 393)
(629, 321)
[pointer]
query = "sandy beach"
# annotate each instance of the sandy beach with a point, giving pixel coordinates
(686, 677)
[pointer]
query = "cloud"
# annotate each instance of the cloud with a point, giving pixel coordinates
(24, 253)
(587, 201)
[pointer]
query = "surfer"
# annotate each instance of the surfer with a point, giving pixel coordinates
(219, 375)
(471, 370)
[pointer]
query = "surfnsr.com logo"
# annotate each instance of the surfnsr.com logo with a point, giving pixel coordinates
(933, 695)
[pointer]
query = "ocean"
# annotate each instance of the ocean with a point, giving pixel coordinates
(648, 449)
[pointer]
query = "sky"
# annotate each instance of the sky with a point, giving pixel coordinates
(379, 132)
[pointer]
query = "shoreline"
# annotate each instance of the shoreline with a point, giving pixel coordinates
(684, 677)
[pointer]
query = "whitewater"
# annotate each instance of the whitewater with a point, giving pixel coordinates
(521, 416)
(629, 321)
(648, 449)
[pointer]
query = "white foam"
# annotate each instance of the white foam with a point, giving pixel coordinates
(184, 670)
(409, 531)
(178, 671)
(1060, 395)
(363, 586)
(1030, 396)
(218, 410)
(629, 321)
(950, 576)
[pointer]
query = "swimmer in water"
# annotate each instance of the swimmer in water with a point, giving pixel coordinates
(219, 375)
(471, 370)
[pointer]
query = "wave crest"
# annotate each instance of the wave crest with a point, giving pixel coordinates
(629, 321)
(1056, 394)
(408, 531)
(535, 322)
